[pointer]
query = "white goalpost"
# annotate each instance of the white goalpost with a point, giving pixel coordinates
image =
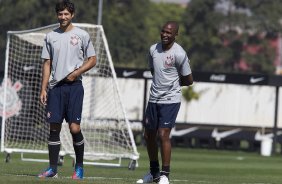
(107, 131)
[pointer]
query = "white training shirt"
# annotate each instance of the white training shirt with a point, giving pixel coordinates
(168, 66)
(67, 52)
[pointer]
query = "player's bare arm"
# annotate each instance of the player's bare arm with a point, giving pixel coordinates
(46, 69)
(87, 65)
(186, 80)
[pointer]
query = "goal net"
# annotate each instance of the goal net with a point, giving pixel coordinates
(106, 129)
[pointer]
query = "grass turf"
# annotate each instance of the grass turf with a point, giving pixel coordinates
(193, 166)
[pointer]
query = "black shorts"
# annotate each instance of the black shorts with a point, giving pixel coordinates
(64, 101)
(161, 115)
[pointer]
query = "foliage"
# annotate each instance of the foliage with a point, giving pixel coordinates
(126, 31)
(19, 15)
(265, 14)
(158, 15)
(29, 14)
(131, 30)
(201, 27)
(189, 94)
(208, 29)
(218, 38)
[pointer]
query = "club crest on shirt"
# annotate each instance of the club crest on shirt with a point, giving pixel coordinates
(74, 40)
(169, 61)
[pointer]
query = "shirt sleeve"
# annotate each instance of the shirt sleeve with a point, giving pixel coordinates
(184, 65)
(150, 61)
(46, 50)
(88, 47)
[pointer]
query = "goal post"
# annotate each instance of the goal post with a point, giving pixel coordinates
(106, 128)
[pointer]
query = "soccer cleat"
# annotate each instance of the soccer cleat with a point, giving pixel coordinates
(163, 180)
(148, 178)
(78, 173)
(48, 173)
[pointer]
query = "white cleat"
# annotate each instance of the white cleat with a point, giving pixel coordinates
(163, 180)
(148, 178)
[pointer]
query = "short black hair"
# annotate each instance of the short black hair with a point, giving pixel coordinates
(65, 4)
(174, 23)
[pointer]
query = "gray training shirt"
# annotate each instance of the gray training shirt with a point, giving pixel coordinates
(168, 66)
(67, 52)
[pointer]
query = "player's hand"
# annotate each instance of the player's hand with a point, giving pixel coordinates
(43, 97)
(72, 76)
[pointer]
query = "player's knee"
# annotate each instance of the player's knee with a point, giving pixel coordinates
(150, 135)
(164, 135)
(74, 128)
(146, 137)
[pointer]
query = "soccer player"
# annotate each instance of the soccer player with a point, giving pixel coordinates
(170, 68)
(67, 52)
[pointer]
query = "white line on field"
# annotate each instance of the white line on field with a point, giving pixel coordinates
(107, 178)
(98, 178)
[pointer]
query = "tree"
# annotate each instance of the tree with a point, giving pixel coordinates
(208, 30)
(201, 24)
(220, 34)
(131, 29)
(18, 15)
(126, 31)
(265, 15)
(189, 94)
(21, 15)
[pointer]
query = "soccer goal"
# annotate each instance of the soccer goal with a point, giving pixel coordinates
(107, 131)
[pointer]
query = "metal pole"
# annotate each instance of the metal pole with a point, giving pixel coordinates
(144, 108)
(144, 99)
(100, 12)
(275, 119)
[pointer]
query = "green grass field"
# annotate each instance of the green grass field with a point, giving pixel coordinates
(193, 166)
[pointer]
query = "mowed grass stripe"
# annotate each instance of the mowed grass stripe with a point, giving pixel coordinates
(188, 166)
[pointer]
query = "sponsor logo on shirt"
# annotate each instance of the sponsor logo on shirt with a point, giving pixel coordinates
(169, 61)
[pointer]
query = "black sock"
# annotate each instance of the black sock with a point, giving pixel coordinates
(78, 145)
(165, 170)
(54, 144)
(155, 169)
